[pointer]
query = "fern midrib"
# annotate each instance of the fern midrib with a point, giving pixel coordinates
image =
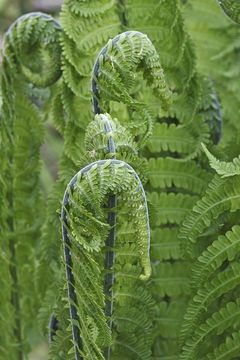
(128, 347)
(166, 244)
(172, 139)
(177, 175)
(167, 320)
(222, 356)
(175, 279)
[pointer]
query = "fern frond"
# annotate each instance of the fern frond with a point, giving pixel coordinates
(227, 350)
(223, 194)
(216, 324)
(87, 231)
(223, 168)
(170, 208)
(225, 248)
(113, 74)
(165, 244)
(170, 279)
(168, 172)
(219, 285)
(31, 60)
(231, 8)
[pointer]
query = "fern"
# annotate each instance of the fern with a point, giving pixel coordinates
(171, 124)
(217, 323)
(216, 39)
(222, 195)
(221, 167)
(221, 284)
(231, 8)
(88, 238)
(229, 349)
(169, 172)
(224, 248)
(31, 61)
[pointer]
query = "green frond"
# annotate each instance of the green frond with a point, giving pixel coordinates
(168, 172)
(122, 58)
(224, 248)
(170, 279)
(221, 284)
(31, 60)
(170, 208)
(96, 139)
(227, 350)
(223, 168)
(170, 138)
(231, 8)
(168, 319)
(87, 232)
(216, 324)
(183, 139)
(165, 244)
(89, 8)
(222, 195)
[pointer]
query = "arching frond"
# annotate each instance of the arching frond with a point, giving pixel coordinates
(223, 168)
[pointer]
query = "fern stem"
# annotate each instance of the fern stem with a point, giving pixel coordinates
(110, 242)
(109, 263)
(109, 258)
(69, 274)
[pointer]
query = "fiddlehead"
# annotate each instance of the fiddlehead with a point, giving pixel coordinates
(29, 44)
(114, 72)
(89, 244)
(231, 8)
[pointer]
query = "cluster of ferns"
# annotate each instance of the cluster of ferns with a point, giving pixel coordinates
(143, 282)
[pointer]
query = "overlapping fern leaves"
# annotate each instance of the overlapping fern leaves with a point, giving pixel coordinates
(30, 63)
(175, 179)
(217, 41)
(216, 271)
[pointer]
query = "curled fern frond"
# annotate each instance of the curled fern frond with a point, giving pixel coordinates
(86, 221)
(114, 72)
(33, 48)
(231, 8)
(31, 61)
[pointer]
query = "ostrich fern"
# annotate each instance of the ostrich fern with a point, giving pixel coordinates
(163, 119)
(24, 75)
(207, 333)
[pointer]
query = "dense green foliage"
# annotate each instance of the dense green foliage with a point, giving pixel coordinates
(21, 138)
(165, 122)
